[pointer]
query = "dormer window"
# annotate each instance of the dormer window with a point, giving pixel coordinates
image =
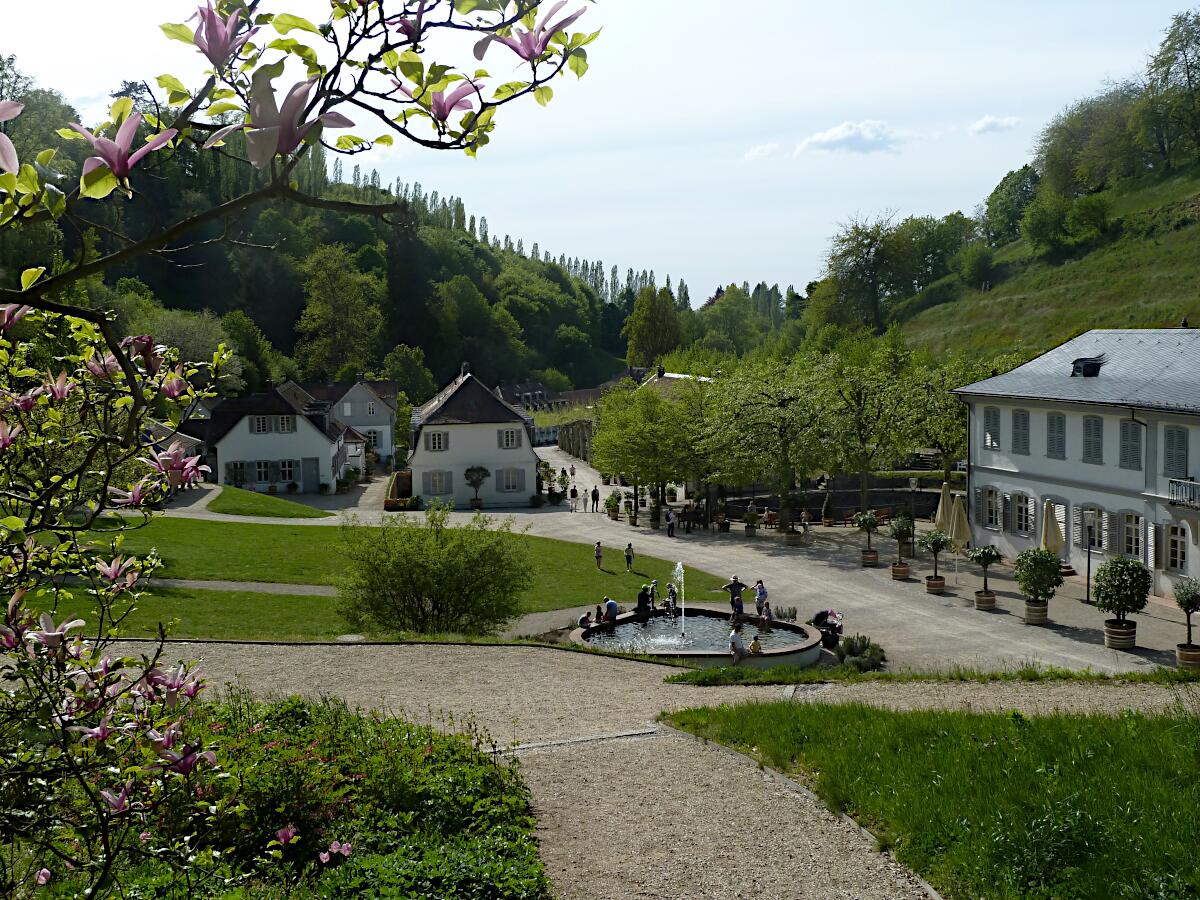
(1088, 366)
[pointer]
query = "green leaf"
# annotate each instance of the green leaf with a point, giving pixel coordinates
(577, 62)
(54, 200)
(411, 66)
(384, 140)
(46, 157)
(171, 83)
(29, 276)
(69, 134)
(349, 142)
(285, 22)
(121, 109)
(223, 107)
(179, 33)
(391, 59)
(507, 90)
(543, 94)
(27, 180)
(175, 98)
(98, 183)
(12, 523)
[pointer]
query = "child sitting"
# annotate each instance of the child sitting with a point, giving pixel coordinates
(755, 646)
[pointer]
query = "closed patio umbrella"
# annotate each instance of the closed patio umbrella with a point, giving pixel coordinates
(1052, 536)
(959, 531)
(941, 521)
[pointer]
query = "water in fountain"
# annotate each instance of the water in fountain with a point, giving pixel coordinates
(677, 578)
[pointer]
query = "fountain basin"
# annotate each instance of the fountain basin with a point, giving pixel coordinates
(707, 641)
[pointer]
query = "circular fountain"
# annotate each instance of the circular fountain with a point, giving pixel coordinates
(701, 636)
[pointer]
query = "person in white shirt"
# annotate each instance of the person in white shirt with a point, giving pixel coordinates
(737, 647)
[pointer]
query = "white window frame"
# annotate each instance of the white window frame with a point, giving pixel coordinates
(370, 407)
(437, 483)
(437, 441)
(287, 424)
(287, 470)
(1022, 520)
(372, 439)
(1096, 540)
(510, 438)
(347, 409)
(1175, 553)
(262, 471)
(993, 506)
(1132, 527)
(238, 473)
(991, 427)
(508, 480)
(262, 425)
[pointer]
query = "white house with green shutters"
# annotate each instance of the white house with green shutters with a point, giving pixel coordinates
(468, 425)
(1107, 428)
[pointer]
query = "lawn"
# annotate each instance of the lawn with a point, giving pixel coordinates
(565, 574)
(224, 615)
(995, 805)
(232, 501)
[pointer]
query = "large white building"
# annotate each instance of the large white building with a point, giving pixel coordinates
(467, 425)
(1107, 428)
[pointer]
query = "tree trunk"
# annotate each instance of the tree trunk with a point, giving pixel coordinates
(864, 490)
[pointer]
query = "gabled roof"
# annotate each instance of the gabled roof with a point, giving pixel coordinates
(232, 410)
(1151, 368)
(333, 393)
(465, 401)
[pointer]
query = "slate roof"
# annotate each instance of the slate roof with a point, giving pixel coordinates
(232, 410)
(465, 401)
(1152, 368)
(333, 393)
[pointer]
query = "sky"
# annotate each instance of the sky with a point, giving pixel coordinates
(713, 141)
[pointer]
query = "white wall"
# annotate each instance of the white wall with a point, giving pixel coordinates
(476, 445)
(241, 445)
(360, 417)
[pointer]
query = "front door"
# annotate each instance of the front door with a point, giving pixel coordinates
(310, 471)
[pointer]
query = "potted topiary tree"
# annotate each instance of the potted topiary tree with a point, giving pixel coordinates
(827, 510)
(984, 557)
(475, 476)
(933, 543)
(1187, 595)
(1037, 574)
(655, 514)
(612, 505)
(868, 522)
(901, 530)
(750, 520)
(1122, 587)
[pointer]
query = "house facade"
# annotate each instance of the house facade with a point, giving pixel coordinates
(464, 426)
(263, 441)
(1107, 428)
(368, 407)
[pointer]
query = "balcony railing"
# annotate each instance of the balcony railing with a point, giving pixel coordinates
(1185, 493)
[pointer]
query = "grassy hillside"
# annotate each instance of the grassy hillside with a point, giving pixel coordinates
(1148, 275)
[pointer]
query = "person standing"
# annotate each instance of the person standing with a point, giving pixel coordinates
(760, 595)
(599, 556)
(572, 471)
(595, 498)
(670, 522)
(735, 588)
(629, 557)
(574, 498)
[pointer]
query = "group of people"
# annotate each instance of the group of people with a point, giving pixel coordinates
(737, 646)
(647, 602)
(598, 553)
(762, 606)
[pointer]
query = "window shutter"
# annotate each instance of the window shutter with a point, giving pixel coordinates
(449, 482)
(1078, 533)
(500, 438)
(426, 436)
(1154, 546)
(1175, 452)
(273, 471)
(228, 472)
(1109, 524)
(1131, 445)
(1056, 435)
(250, 422)
(519, 433)
(427, 481)
(980, 512)
(445, 440)
(1031, 505)
(1020, 439)
(1006, 513)
(520, 479)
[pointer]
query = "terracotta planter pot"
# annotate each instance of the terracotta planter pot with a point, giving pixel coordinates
(751, 530)
(613, 514)
(633, 521)
(935, 584)
(476, 504)
(793, 538)
(985, 600)
(1187, 657)
(900, 571)
(1120, 635)
(1036, 613)
(870, 559)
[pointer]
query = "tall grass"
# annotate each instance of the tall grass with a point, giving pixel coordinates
(1030, 672)
(997, 806)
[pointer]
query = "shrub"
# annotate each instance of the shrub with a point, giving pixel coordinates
(1088, 221)
(859, 652)
(868, 522)
(1122, 586)
(901, 530)
(1187, 596)
(555, 498)
(1037, 574)
(537, 501)
(984, 557)
(613, 501)
(427, 577)
(975, 265)
(933, 543)
(1044, 224)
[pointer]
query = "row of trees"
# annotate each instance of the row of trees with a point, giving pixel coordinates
(860, 406)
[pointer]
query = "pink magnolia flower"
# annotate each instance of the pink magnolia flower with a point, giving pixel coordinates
(138, 495)
(11, 314)
(100, 733)
(58, 387)
(287, 834)
(166, 739)
(116, 570)
(217, 38)
(186, 761)
(323, 856)
(103, 367)
(9, 109)
(117, 803)
(116, 153)
(343, 849)
(43, 876)
(274, 130)
(142, 346)
(441, 105)
(531, 45)
(24, 402)
(411, 27)
(50, 636)
(174, 385)
(10, 639)
(193, 471)
(8, 434)
(144, 836)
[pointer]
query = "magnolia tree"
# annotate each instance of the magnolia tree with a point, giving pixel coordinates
(98, 772)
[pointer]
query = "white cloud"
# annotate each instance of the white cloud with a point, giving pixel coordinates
(989, 124)
(869, 136)
(761, 151)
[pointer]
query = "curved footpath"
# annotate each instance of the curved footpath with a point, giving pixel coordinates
(628, 808)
